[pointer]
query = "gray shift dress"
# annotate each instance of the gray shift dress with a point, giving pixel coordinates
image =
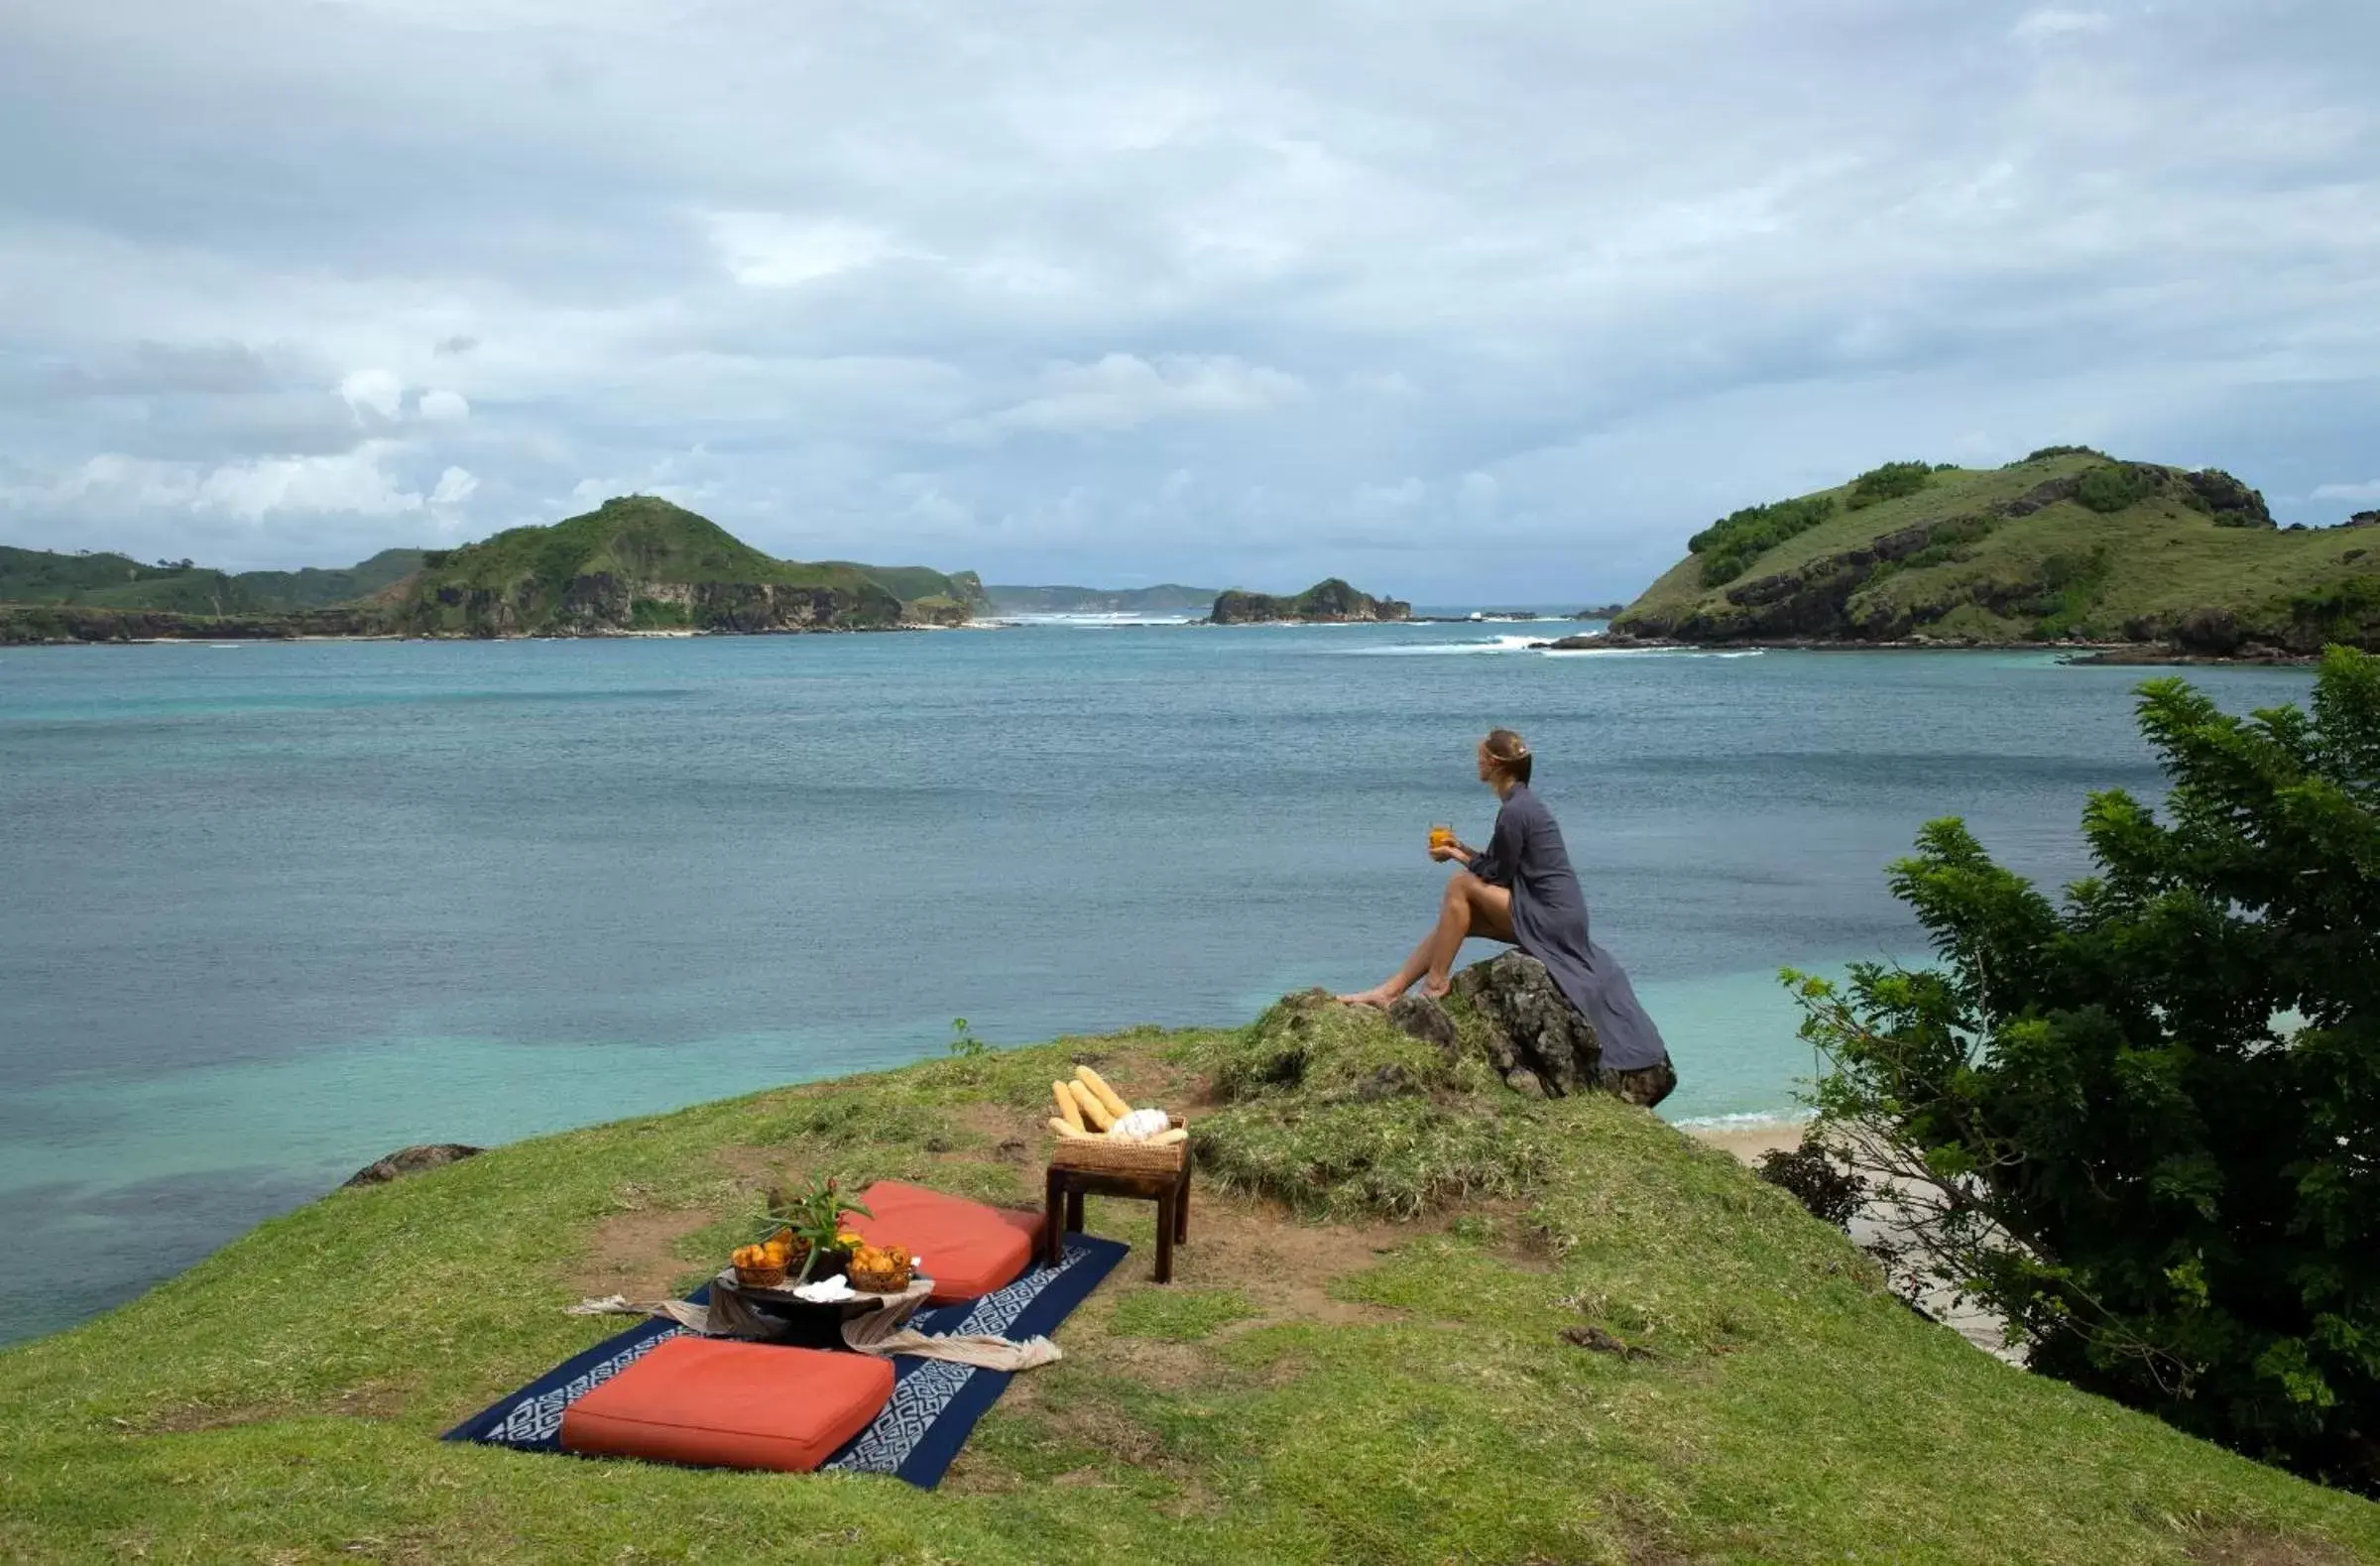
(1549, 917)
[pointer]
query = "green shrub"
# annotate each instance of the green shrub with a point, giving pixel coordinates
(2141, 1126)
(2346, 611)
(2071, 584)
(2111, 486)
(2046, 453)
(1889, 482)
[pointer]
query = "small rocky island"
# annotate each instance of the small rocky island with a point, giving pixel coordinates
(1328, 602)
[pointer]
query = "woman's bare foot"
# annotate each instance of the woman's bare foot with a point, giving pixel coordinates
(1379, 994)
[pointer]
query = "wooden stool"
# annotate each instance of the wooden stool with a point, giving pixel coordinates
(1068, 1183)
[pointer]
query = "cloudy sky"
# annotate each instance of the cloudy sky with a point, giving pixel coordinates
(1461, 301)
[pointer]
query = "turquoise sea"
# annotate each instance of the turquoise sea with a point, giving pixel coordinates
(268, 911)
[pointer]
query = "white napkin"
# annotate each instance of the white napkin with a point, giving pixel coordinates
(1139, 1125)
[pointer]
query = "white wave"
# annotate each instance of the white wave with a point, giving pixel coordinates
(1655, 652)
(1500, 644)
(1750, 1120)
(1097, 620)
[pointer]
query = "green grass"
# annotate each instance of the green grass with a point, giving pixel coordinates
(2128, 571)
(1180, 1315)
(280, 1401)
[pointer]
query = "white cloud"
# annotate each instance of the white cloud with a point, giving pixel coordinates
(444, 408)
(1123, 391)
(769, 250)
(356, 481)
(2045, 23)
(455, 486)
(377, 389)
(2368, 490)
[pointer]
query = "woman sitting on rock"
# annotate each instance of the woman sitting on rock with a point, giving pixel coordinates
(1522, 890)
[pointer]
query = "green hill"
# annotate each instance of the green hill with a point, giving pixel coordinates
(2069, 545)
(1163, 599)
(313, 588)
(1363, 1356)
(116, 581)
(922, 584)
(635, 563)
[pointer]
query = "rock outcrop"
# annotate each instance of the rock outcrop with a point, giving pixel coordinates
(1536, 1040)
(412, 1161)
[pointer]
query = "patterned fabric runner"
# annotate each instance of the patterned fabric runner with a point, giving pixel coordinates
(936, 1404)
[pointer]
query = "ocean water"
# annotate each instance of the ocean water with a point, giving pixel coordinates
(268, 911)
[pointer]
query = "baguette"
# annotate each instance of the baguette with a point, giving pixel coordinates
(1095, 1114)
(1067, 1110)
(1116, 1107)
(1064, 1128)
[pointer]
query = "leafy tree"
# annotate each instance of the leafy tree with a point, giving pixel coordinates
(2144, 1125)
(1733, 543)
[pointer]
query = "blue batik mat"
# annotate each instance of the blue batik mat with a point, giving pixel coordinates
(934, 1403)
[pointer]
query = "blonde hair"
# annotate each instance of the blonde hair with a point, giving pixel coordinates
(1511, 753)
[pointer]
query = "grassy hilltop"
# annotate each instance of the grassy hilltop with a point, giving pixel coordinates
(2068, 544)
(1362, 1359)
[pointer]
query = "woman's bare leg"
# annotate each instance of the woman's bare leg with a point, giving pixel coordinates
(1470, 907)
(1481, 910)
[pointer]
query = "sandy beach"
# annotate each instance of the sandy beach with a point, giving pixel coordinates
(1747, 1140)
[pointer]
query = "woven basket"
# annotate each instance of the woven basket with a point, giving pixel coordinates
(886, 1282)
(760, 1277)
(1117, 1158)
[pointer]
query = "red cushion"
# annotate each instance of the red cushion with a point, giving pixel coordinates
(969, 1249)
(726, 1404)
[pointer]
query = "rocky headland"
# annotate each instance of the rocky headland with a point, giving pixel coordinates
(2068, 548)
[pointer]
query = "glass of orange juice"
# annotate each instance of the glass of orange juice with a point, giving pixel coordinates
(1441, 835)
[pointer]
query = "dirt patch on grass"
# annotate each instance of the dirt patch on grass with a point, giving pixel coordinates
(636, 1254)
(1154, 1362)
(997, 1133)
(2255, 1547)
(1285, 1268)
(372, 1400)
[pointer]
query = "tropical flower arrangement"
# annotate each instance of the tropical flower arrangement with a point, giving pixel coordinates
(809, 1223)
